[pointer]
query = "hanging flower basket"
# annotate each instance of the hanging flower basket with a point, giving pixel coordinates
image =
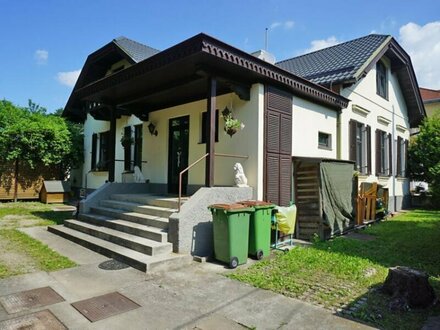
(127, 141)
(232, 125)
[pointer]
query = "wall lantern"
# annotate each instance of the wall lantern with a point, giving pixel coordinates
(152, 129)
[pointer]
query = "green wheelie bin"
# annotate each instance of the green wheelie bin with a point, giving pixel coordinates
(231, 232)
(259, 228)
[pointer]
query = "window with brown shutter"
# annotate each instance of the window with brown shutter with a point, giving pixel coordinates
(390, 154)
(94, 150)
(278, 147)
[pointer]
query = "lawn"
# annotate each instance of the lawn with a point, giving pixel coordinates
(19, 253)
(343, 274)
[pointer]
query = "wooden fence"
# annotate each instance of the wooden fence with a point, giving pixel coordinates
(29, 181)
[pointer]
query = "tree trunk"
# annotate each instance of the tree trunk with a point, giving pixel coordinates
(409, 288)
(16, 181)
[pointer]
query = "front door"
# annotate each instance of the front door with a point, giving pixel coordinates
(178, 153)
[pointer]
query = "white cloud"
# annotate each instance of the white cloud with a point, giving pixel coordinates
(422, 43)
(68, 78)
(41, 56)
(287, 25)
(321, 43)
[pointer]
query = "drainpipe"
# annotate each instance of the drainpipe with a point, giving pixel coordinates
(393, 135)
(338, 135)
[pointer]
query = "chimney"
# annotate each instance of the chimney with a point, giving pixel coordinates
(265, 56)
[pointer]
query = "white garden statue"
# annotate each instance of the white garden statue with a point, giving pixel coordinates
(240, 177)
(138, 176)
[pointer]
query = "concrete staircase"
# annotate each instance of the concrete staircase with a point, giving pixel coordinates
(132, 228)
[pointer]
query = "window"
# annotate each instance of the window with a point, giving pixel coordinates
(127, 148)
(381, 80)
(104, 146)
(360, 146)
(204, 125)
(138, 146)
(402, 150)
(383, 153)
(94, 150)
(324, 140)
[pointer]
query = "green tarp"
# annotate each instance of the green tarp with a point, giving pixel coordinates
(336, 195)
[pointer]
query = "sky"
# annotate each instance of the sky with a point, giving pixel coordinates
(44, 43)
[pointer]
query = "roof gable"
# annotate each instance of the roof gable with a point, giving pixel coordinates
(99, 62)
(350, 61)
(337, 63)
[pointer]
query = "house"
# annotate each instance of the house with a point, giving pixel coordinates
(155, 123)
(431, 100)
(377, 76)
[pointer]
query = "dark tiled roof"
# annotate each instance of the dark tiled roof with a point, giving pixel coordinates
(334, 64)
(137, 51)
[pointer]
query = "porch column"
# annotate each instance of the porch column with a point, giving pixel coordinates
(210, 132)
(112, 144)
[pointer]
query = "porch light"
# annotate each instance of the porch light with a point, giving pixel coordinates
(152, 129)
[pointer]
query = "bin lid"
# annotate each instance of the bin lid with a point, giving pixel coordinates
(258, 204)
(235, 207)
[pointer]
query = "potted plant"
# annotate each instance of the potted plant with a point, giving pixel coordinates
(232, 125)
(126, 140)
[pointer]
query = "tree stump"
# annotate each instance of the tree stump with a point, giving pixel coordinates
(409, 288)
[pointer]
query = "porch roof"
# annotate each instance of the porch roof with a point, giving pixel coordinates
(179, 75)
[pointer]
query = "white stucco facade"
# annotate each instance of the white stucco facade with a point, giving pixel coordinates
(308, 120)
(247, 142)
(388, 115)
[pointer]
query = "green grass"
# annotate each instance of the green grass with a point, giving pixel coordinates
(339, 272)
(20, 253)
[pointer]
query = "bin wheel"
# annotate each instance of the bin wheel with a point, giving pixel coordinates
(233, 263)
(286, 250)
(259, 254)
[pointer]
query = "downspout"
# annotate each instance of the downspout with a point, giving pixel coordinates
(338, 135)
(393, 135)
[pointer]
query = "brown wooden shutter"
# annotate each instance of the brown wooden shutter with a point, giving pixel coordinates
(390, 153)
(278, 147)
(285, 180)
(406, 158)
(94, 150)
(272, 178)
(378, 153)
(352, 140)
(368, 128)
(399, 151)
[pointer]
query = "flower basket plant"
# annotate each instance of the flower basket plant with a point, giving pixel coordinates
(232, 125)
(126, 140)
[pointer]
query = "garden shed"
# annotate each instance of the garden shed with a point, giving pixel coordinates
(325, 192)
(55, 191)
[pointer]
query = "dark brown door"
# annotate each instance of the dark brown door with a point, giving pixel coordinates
(278, 147)
(178, 153)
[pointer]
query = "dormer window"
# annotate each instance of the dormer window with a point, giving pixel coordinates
(381, 80)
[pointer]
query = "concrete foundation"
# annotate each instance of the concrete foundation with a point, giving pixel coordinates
(190, 231)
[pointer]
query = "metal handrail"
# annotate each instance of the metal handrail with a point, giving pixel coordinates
(180, 178)
(196, 162)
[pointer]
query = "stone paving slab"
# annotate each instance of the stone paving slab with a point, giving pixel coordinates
(195, 297)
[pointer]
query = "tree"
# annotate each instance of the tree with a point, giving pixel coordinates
(424, 156)
(30, 136)
(75, 157)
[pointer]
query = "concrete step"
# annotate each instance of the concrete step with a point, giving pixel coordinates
(144, 219)
(148, 199)
(138, 208)
(130, 257)
(153, 233)
(133, 242)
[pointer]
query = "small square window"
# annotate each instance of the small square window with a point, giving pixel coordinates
(324, 140)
